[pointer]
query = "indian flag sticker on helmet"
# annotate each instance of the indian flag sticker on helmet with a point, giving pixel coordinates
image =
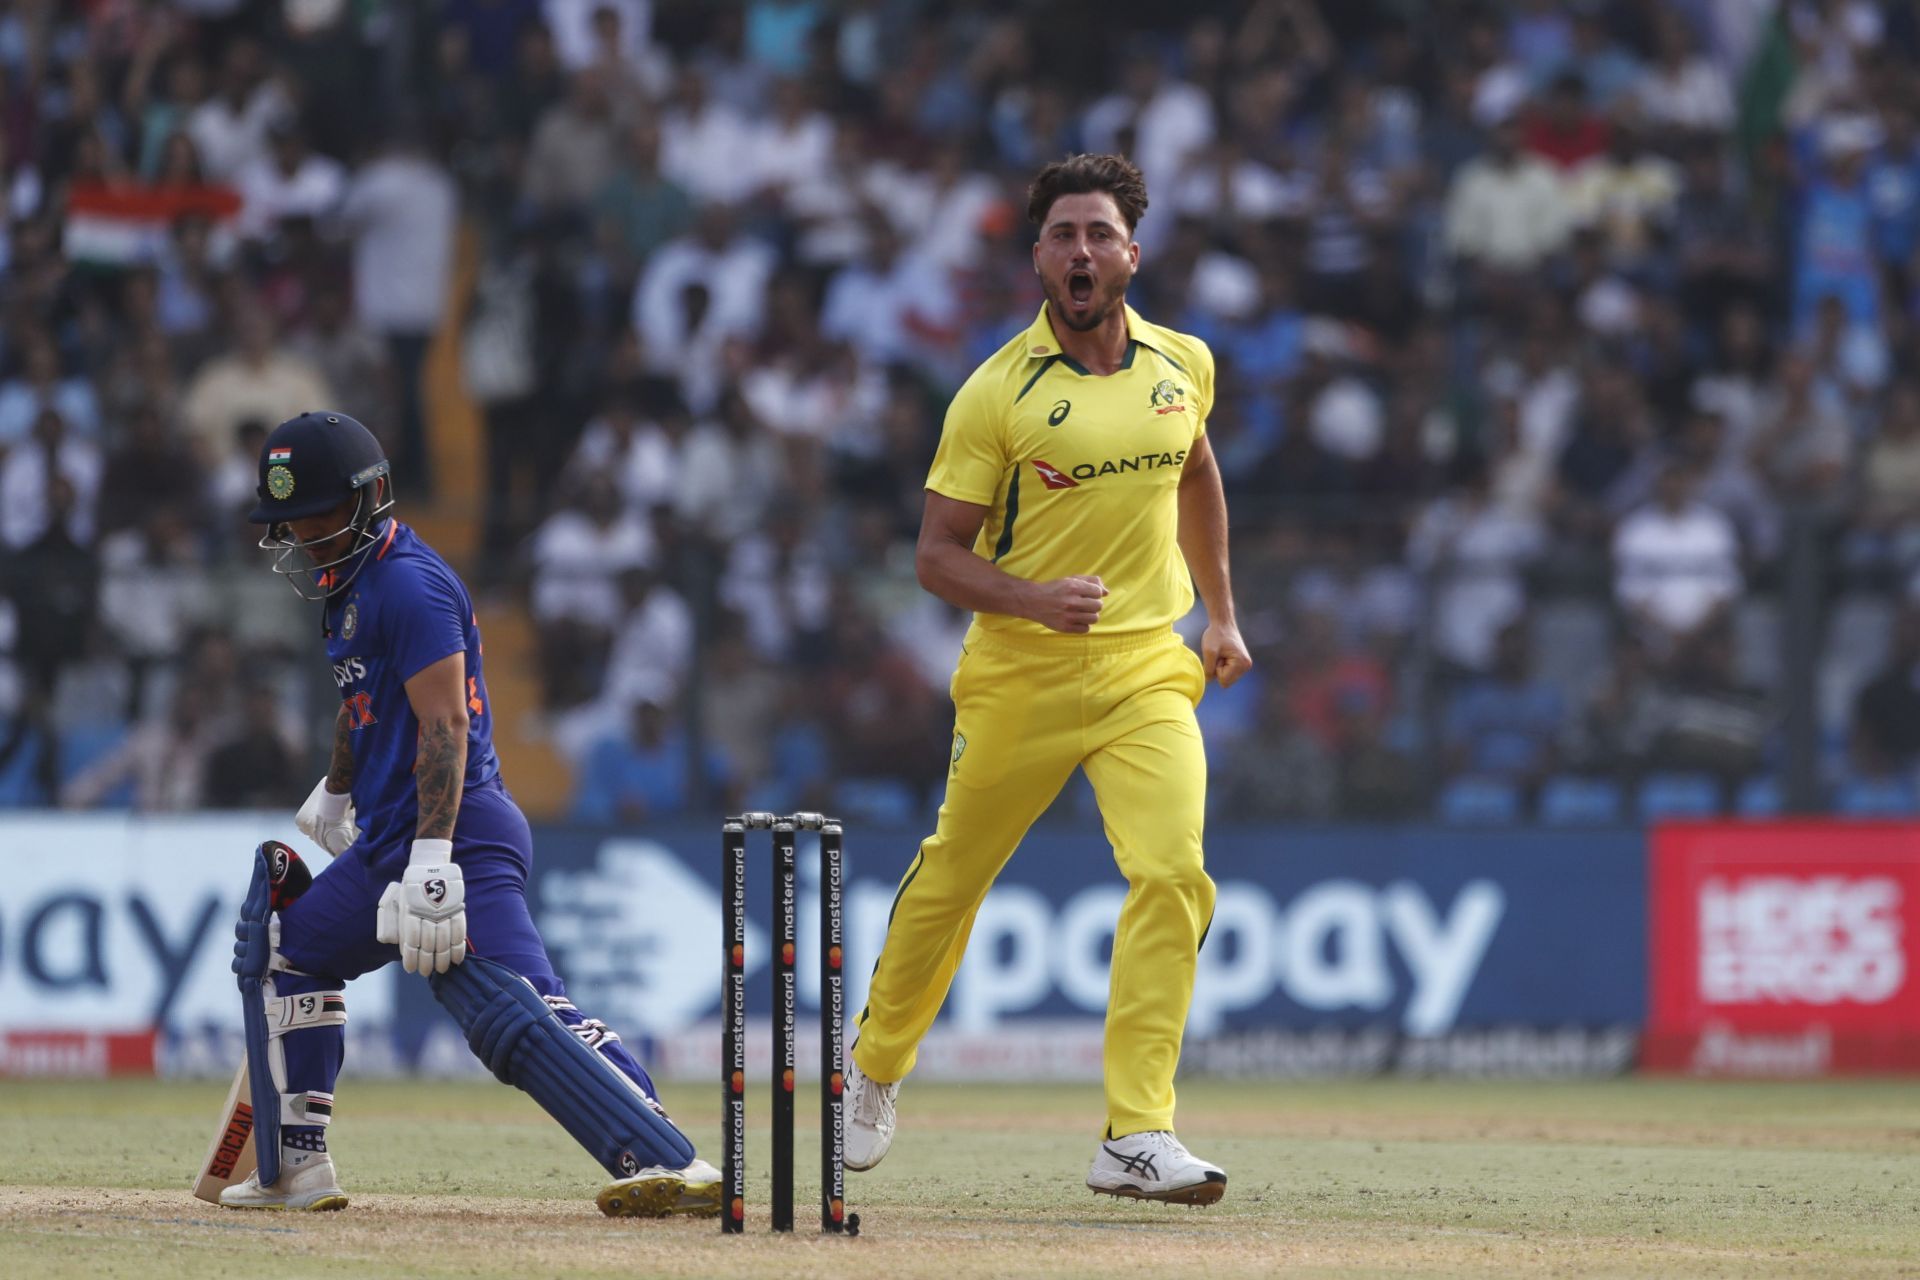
(280, 483)
(279, 455)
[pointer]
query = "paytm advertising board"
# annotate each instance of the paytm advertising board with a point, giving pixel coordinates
(1332, 951)
(1784, 948)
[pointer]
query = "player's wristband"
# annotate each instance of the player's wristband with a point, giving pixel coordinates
(430, 851)
(333, 807)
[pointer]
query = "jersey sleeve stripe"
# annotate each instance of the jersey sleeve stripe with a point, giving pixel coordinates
(1013, 513)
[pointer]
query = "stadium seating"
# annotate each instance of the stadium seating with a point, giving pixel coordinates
(1875, 798)
(1570, 801)
(1480, 802)
(1678, 795)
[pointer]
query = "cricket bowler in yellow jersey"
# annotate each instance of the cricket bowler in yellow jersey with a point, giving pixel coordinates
(1073, 505)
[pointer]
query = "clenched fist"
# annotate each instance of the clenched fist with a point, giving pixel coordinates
(1071, 604)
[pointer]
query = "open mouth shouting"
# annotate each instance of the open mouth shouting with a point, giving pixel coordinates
(1080, 288)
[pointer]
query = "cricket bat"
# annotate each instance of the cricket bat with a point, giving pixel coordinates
(230, 1156)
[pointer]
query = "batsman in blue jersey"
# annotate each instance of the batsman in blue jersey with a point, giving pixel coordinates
(431, 856)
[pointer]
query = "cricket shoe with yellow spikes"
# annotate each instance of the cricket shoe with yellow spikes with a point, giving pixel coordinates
(1154, 1166)
(692, 1192)
(306, 1182)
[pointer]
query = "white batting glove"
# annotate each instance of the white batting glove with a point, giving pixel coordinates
(424, 912)
(327, 819)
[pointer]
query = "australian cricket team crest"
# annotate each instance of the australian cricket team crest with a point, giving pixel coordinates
(959, 749)
(279, 483)
(350, 621)
(1166, 397)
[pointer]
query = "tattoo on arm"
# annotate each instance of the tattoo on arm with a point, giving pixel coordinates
(340, 771)
(439, 774)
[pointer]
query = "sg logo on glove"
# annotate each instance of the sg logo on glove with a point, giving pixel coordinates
(436, 891)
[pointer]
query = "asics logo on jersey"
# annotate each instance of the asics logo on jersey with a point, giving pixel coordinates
(1140, 1165)
(1061, 409)
(1052, 477)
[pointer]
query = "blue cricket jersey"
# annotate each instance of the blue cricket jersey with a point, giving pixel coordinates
(404, 611)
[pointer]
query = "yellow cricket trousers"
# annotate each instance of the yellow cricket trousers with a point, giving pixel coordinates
(1026, 712)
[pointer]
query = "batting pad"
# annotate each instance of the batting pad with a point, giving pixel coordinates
(511, 1028)
(278, 877)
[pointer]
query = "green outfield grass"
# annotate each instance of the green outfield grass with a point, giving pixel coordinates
(1616, 1178)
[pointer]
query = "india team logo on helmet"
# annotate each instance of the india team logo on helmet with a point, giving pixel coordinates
(279, 483)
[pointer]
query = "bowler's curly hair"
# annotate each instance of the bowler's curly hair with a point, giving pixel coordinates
(1118, 176)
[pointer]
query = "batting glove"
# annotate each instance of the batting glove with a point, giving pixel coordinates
(424, 913)
(327, 819)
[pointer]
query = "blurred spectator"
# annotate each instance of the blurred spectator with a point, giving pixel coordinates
(27, 483)
(39, 386)
(1802, 437)
(1378, 782)
(257, 763)
(1676, 562)
(1610, 458)
(165, 758)
(578, 556)
(780, 583)
(644, 773)
(1277, 772)
(150, 468)
(1505, 210)
(653, 641)
(1886, 711)
(1833, 251)
(229, 129)
(400, 210)
(1706, 720)
(1508, 722)
(154, 593)
(289, 182)
(1565, 132)
(1888, 524)
(730, 471)
(1683, 90)
(350, 359)
(572, 153)
(697, 291)
(1625, 192)
(261, 380)
(640, 208)
(50, 582)
(1474, 552)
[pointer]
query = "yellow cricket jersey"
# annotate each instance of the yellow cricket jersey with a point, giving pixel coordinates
(1081, 474)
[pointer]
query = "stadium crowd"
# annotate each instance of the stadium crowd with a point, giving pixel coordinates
(1547, 333)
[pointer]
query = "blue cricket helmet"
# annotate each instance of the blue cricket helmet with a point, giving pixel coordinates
(309, 465)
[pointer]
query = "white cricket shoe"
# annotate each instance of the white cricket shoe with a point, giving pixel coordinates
(869, 1118)
(660, 1192)
(306, 1182)
(1154, 1166)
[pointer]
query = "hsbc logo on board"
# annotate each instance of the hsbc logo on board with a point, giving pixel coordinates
(1054, 478)
(1812, 940)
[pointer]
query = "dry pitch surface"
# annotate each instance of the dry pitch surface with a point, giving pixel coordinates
(1616, 1178)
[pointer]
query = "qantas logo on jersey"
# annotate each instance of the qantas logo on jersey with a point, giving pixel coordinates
(1052, 477)
(345, 673)
(1120, 466)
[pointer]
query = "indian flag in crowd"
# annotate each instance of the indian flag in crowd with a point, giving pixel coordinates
(124, 226)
